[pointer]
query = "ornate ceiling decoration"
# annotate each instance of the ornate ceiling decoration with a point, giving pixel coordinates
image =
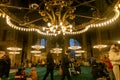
(55, 17)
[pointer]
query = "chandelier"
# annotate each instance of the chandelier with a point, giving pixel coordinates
(80, 51)
(100, 46)
(35, 51)
(55, 17)
(57, 50)
(14, 52)
(78, 55)
(14, 48)
(37, 47)
(74, 47)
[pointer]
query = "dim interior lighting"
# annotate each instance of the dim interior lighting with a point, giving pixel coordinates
(56, 20)
(100, 46)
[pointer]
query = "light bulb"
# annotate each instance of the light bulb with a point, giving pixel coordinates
(49, 24)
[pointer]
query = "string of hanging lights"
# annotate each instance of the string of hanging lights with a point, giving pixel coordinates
(56, 19)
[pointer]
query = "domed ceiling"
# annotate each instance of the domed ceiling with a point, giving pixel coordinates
(55, 17)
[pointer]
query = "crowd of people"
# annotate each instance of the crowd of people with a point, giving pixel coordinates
(50, 65)
(5, 65)
(107, 67)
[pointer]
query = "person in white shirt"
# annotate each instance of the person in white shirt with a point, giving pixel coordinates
(114, 56)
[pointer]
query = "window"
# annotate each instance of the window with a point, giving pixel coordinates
(73, 42)
(42, 42)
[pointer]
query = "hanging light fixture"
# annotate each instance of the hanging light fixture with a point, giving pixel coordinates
(99, 46)
(78, 55)
(56, 17)
(14, 52)
(57, 50)
(38, 47)
(14, 48)
(74, 47)
(35, 51)
(80, 51)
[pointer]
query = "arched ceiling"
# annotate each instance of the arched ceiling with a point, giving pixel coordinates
(37, 13)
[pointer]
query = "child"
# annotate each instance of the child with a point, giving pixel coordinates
(33, 73)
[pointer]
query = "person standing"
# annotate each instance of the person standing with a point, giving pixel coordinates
(1, 68)
(114, 56)
(109, 66)
(50, 65)
(65, 66)
(7, 64)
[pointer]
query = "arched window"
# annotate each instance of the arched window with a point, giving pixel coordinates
(73, 42)
(42, 42)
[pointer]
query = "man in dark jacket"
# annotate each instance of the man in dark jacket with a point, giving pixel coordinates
(1, 67)
(50, 65)
(7, 64)
(65, 65)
